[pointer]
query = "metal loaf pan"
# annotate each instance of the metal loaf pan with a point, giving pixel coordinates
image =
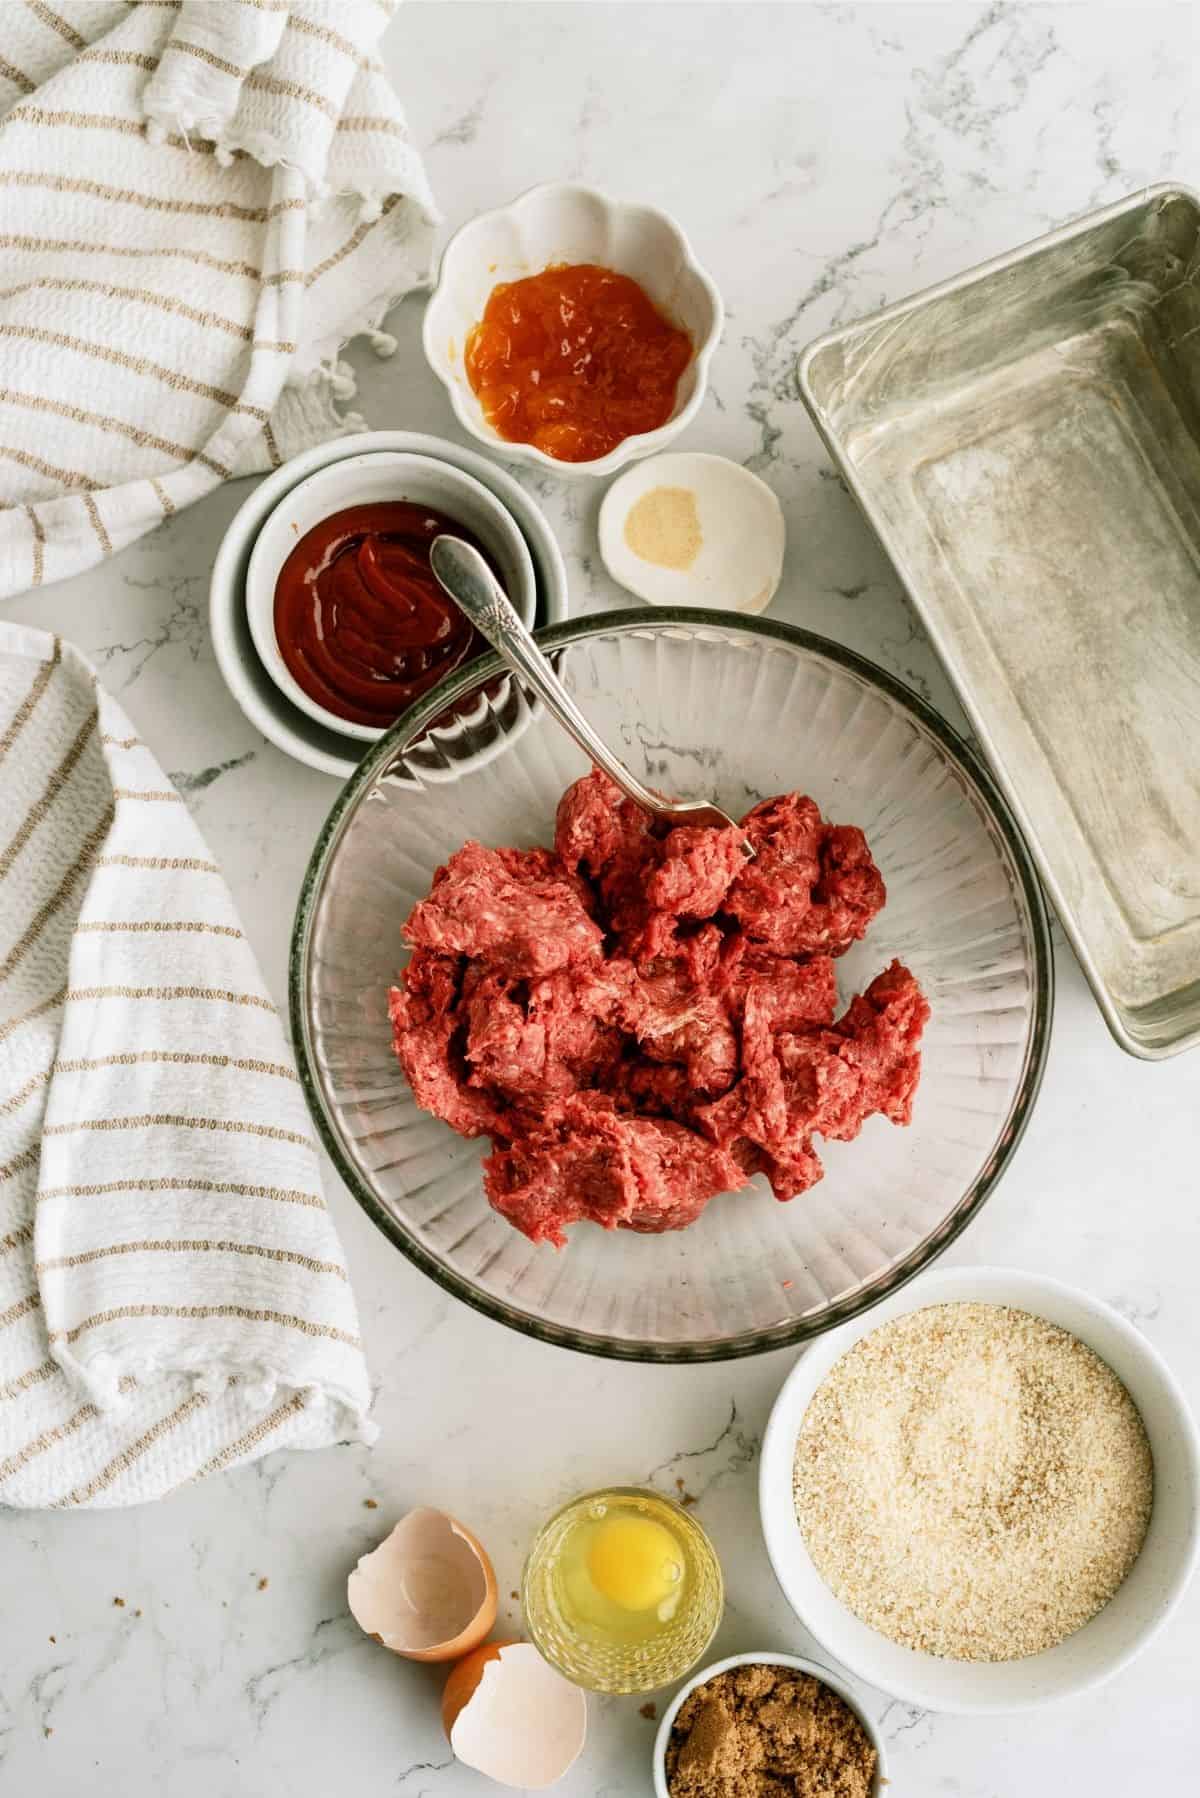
(1025, 440)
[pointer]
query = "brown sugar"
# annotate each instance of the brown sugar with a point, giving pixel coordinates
(765, 1732)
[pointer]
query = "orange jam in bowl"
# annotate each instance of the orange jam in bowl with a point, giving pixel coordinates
(574, 360)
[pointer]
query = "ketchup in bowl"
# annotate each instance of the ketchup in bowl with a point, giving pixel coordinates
(360, 619)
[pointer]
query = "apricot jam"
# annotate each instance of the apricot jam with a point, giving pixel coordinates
(574, 360)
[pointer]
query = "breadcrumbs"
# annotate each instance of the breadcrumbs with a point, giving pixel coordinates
(760, 1731)
(973, 1482)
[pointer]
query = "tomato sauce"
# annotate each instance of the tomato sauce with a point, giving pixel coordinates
(361, 620)
(574, 360)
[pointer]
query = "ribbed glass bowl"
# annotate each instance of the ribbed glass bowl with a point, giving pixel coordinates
(698, 704)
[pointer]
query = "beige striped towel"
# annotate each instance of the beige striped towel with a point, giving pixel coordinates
(200, 202)
(173, 1297)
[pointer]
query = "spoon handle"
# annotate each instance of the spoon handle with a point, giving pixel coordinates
(473, 587)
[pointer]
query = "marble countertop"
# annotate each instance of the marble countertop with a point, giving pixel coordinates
(824, 159)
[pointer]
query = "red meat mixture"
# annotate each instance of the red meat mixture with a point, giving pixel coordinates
(641, 1021)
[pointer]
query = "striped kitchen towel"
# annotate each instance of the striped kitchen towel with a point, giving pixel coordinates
(200, 202)
(173, 1298)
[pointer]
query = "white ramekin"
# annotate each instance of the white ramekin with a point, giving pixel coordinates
(370, 479)
(262, 702)
(560, 222)
(1137, 1610)
(827, 1678)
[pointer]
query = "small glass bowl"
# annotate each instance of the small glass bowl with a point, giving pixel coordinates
(609, 1665)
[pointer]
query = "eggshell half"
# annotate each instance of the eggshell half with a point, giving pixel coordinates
(428, 1591)
(463, 1678)
(738, 562)
(509, 1714)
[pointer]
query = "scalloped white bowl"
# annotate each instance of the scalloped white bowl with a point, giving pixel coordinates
(560, 222)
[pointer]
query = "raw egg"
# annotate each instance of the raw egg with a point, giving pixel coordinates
(508, 1714)
(428, 1591)
(622, 1590)
(636, 1563)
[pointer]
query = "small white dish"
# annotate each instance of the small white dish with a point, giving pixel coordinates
(1136, 1611)
(560, 222)
(835, 1684)
(280, 722)
(367, 480)
(729, 521)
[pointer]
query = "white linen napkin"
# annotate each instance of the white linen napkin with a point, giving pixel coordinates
(173, 1298)
(199, 204)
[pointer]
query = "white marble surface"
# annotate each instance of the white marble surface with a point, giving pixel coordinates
(825, 159)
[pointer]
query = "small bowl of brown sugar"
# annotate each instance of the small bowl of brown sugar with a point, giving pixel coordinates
(758, 1724)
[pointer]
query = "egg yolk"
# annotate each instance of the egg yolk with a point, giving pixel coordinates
(634, 1562)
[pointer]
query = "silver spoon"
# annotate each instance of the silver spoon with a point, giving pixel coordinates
(473, 587)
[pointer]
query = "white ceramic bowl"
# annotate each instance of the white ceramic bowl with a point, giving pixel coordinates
(1137, 1610)
(738, 565)
(563, 223)
(365, 480)
(827, 1678)
(281, 722)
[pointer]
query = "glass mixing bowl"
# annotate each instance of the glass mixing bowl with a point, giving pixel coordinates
(698, 704)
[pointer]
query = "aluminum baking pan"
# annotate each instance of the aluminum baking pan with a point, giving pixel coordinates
(1025, 441)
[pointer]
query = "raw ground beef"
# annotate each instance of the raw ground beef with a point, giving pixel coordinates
(641, 1021)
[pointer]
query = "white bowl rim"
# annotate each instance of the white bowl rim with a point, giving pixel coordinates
(948, 1285)
(641, 443)
(226, 597)
(260, 595)
(614, 494)
(766, 1658)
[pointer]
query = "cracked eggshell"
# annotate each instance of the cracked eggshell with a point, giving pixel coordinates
(510, 1715)
(428, 1591)
(732, 548)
